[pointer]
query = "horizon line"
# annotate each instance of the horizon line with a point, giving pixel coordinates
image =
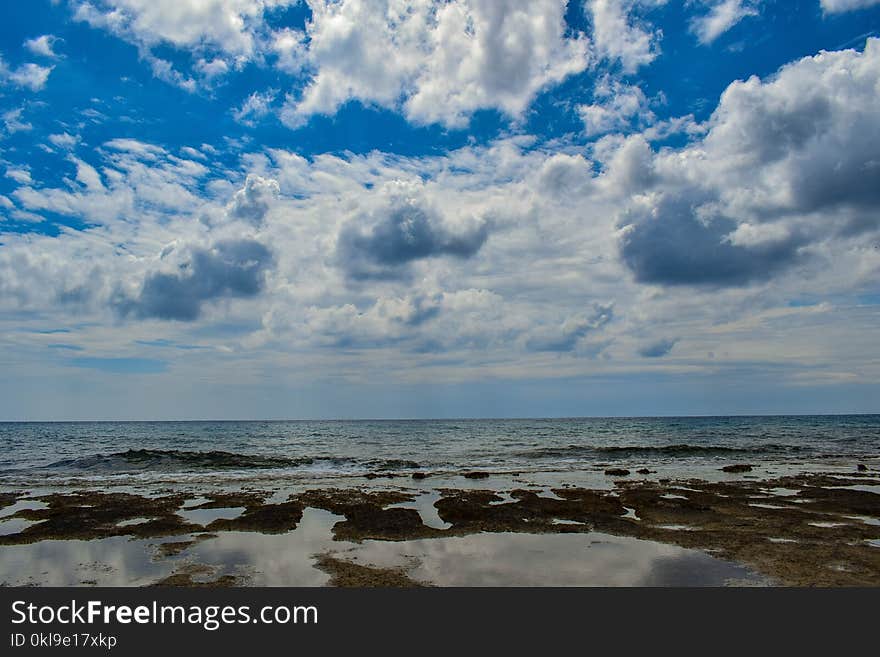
(450, 419)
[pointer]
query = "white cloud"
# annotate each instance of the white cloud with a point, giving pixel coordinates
(64, 140)
(229, 26)
(19, 174)
(291, 50)
(617, 36)
(255, 106)
(12, 121)
(840, 6)
(225, 33)
(618, 106)
(722, 15)
(382, 257)
(444, 62)
(30, 75)
(42, 45)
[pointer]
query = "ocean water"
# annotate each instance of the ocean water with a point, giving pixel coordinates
(50, 454)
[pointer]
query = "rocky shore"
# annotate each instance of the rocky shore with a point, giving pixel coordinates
(804, 530)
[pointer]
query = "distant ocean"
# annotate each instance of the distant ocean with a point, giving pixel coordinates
(38, 454)
(55, 453)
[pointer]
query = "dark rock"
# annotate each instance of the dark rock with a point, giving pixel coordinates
(862, 467)
(476, 475)
(644, 471)
(739, 467)
(617, 472)
(421, 475)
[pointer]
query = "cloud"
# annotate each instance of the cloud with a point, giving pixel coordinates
(227, 269)
(442, 62)
(566, 336)
(64, 140)
(380, 243)
(618, 37)
(42, 45)
(291, 50)
(227, 26)
(669, 244)
(618, 105)
(722, 16)
(840, 6)
(19, 174)
(12, 122)
(787, 164)
(255, 106)
(252, 202)
(29, 75)
(658, 349)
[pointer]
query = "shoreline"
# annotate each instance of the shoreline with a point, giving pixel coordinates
(806, 529)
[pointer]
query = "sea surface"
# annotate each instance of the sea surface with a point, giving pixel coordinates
(112, 453)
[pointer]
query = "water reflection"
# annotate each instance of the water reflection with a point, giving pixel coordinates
(501, 559)
(593, 559)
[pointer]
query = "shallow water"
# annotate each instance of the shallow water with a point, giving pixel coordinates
(502, 559)
(590, 559)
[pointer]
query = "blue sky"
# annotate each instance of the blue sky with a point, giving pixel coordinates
(409, 208)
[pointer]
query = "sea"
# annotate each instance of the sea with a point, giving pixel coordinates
(64, 454)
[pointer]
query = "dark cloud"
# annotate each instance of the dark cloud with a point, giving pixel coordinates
(234, 268)
(658, 349)
(669, 245)
(405, 231)
(566, 337)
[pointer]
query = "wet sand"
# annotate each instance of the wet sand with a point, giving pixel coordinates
(807, 529)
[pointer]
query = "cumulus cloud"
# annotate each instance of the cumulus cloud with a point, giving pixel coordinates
(437, 61)
(787, 163)
(231, 268)
(404, 228)
(444, 60)
(722, 16)
(252, 202)
(229, 26)
(840, 6)
(670, 244)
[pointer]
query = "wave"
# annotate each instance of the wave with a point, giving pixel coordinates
(624, 451)
(161, 460)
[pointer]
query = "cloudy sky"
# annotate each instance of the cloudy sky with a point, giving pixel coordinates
(422, 208)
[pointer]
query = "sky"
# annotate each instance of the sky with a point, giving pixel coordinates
(282, 209)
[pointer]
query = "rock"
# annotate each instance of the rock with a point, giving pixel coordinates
(644, 471)
(421, 475)
(739, 467)
(617, 472)
(862, 467)
(476, 475)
